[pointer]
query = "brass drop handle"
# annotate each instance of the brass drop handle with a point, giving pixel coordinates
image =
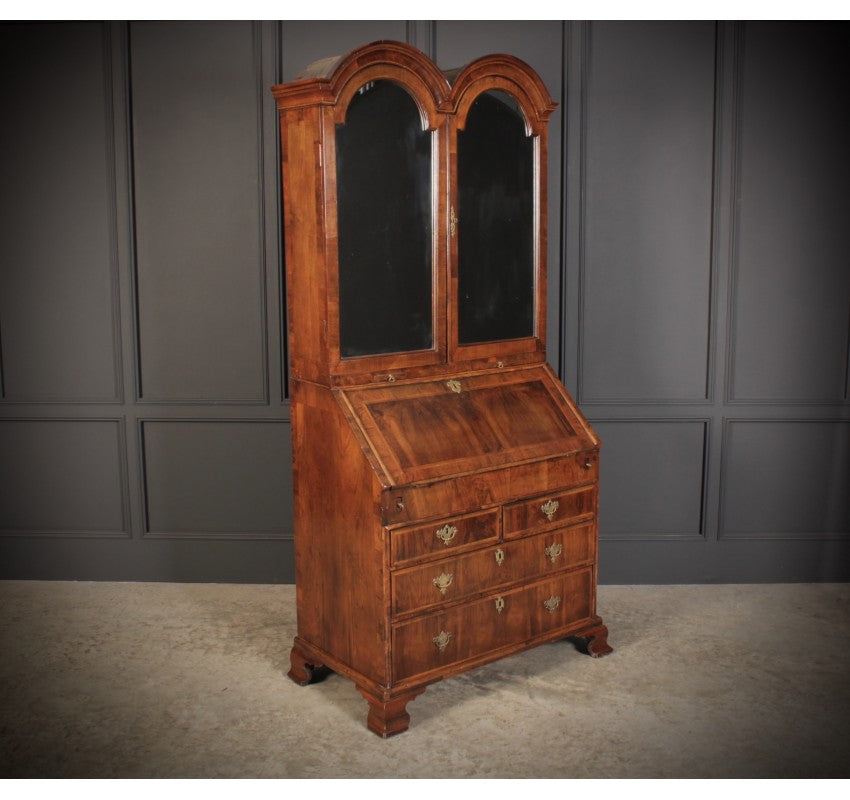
(588, 464)
(443, 581)
(500, 604)
(454, 386)
(441, 640)
(553, 551)
(500, 556)
(551, 604)
(446, 534)
(549, 508)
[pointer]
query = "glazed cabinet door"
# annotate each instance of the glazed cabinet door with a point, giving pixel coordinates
(497, 243)
(387, 268)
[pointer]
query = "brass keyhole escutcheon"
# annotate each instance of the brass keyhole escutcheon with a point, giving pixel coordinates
(500, 604)
(549, 508)
(443, 581)
(399, 503)
(588, 464)
(553, 551)
(442, 640)
(454, 386)
(446, 534)
(551, 604)
(500, 556)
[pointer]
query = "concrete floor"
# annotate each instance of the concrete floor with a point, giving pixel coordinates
(186, 680)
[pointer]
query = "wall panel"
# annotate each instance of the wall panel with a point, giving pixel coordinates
(62, 476)
(792, 279)
(786, 478)
(651, 477)
(57, 248)
(197, 97)
(217, 477)
(646, 263)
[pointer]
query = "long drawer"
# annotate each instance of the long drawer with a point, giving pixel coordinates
(467, 631)
(422, 587)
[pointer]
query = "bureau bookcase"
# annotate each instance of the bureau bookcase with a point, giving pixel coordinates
(445, 482)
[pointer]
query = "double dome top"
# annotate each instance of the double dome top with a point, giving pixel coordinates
(335, 80)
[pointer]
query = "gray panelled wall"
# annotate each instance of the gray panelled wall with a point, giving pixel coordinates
(699, 274)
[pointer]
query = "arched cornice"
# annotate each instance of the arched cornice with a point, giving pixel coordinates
(334, 81)
(509, 74)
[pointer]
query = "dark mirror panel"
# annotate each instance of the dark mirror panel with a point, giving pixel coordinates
(384, 200)
(495, 165)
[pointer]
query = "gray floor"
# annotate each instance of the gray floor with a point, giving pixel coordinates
(181, 680)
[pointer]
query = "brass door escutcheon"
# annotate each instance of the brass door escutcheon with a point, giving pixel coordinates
(442, 640)
(443, 581)
(553, 551)
(500, 556)
(446, 534)
(500, 604)
(454, 386)
(549, 508)
(551, 604)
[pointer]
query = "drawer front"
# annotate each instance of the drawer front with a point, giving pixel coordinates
(442, 498)
(548, 511)
(514, 618)
(422, 587)
(443, 536)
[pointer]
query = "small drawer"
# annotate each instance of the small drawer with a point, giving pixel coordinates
(469, 631)
(439, 537)
(552, 510)
(450, 579)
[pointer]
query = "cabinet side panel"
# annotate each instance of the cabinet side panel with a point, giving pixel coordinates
(339, 545)
(303, 210)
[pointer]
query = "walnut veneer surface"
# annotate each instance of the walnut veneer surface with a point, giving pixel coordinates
(446, 498)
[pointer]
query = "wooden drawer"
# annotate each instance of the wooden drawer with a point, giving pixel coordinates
(514, 618)
(428, 585)
(445, 535)
(547, 511)
(411, 504)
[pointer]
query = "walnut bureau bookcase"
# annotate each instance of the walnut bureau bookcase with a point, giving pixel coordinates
(445, 482)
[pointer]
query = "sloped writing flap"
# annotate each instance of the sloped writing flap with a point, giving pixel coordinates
(433, 429)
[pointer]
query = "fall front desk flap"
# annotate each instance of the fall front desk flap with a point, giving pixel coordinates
(435, 429)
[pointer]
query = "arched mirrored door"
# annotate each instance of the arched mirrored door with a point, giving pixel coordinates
(495, 222)
(385, 202)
